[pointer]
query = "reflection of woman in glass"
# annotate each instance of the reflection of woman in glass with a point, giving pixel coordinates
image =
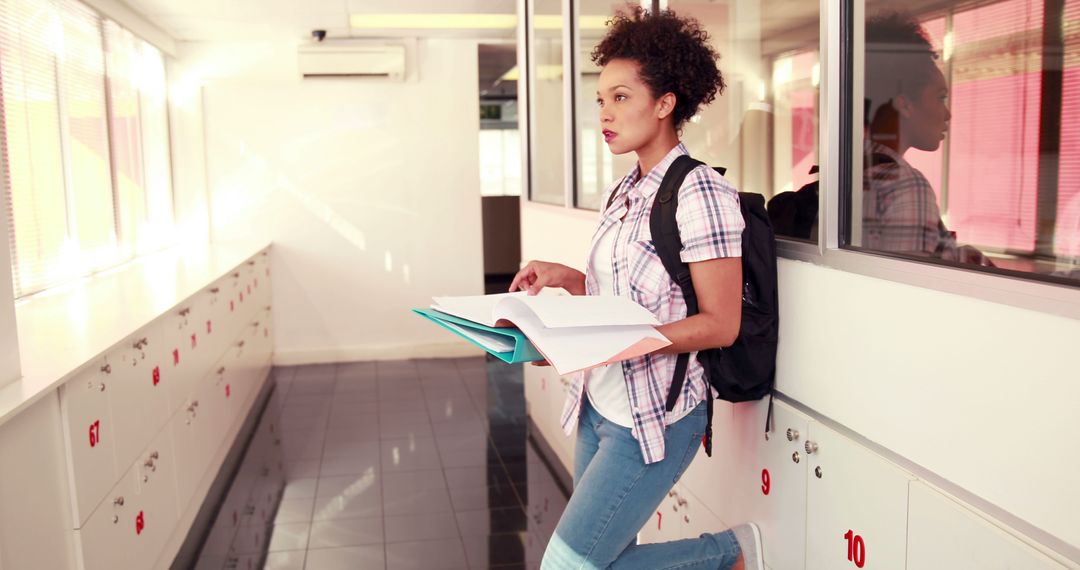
(657, 71)
(906, 98)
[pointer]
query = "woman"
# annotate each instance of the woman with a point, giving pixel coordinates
(907, 107)
(658, 69)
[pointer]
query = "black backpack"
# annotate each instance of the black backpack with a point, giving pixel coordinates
(744, 371)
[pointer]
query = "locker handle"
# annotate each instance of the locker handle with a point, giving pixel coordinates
(107, 369)
(236, 275)
(255, 324)
(185, 311)
(119, 501)
(215, 290)
(251, 262)
(221, 370)
(810, 447)
(792, 434)
(240, 344)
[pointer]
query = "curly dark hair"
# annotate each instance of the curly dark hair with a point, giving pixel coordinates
(674, 54)
(900, 60)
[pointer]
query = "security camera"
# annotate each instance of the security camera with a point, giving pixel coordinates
(319, 35)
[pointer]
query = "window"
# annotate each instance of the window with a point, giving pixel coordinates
(548, 124)
(762, 129)
(84, 142)
(967, 154)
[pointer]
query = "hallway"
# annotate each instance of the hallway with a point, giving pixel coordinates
(403, 464)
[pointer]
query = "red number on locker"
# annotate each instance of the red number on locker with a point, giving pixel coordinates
(228, 391)
(176, 356)
(140, 523)
(241, 296)
(95, 433)
(266, 332)
(209, 327)
(194, 342)
(659, 520)
(232, 306)
(766, 482)
(157, 375)
(856, 549)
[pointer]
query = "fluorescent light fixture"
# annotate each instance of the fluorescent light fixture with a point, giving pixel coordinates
(464, 22)
(542, 73)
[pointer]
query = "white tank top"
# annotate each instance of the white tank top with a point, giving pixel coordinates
(606, 385)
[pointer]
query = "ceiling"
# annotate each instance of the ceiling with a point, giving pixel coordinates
(222, 20)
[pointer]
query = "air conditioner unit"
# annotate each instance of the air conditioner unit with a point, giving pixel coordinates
(340, 59)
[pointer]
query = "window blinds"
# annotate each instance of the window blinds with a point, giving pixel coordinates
(83, 142)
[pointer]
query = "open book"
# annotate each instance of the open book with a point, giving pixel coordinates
(571, 332)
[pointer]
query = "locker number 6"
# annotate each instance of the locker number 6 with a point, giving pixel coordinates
(856, 549)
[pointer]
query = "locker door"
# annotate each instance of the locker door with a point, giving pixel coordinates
(856, 506)
(89, 436)
(178, 370)
(666, 524)
(771, 479)
(697, 518)
(155, 489)
(109, 539)
(712, 479)
(138, 400)
(943, 533)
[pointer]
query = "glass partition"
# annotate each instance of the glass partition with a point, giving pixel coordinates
(762, 129)
(548, 137)
(967, 154)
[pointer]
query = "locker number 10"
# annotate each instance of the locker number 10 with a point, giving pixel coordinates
(856, 549)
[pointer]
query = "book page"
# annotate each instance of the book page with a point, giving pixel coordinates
(475, 308)
(489, 340)
(587, 311)
(570, 349)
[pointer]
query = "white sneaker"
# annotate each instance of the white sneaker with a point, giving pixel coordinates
(749, 537)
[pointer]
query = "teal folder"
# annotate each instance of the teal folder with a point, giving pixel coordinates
(523, 351)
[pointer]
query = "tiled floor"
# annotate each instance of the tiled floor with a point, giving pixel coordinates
(406, 464)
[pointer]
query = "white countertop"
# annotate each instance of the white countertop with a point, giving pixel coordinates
(62, 329)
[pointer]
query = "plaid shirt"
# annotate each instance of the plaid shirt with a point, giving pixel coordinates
(710, 224)
(900, 209)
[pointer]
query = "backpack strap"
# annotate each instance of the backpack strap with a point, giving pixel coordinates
(665, 238)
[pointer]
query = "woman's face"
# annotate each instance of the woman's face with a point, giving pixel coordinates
(925, 117)
(629, 114)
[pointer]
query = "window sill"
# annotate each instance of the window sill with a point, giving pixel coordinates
(62, 329)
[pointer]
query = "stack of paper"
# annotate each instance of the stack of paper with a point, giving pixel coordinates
(571, 332)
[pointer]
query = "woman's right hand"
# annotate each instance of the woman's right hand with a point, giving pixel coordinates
(539, 274)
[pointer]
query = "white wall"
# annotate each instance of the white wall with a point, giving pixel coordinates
(980, 394)
(369, 190)
(35, 529)
(9, 332)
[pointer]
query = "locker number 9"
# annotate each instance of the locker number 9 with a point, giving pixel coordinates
(766, 482)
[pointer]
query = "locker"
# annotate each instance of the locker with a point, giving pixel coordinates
(179, 368)
(856, 505)
(771, 479)
(711, 479)
(108, 539)
(697, 518)
(667, 523)
(155, 489)
(943, 533)
(89, 436)
(138, 401)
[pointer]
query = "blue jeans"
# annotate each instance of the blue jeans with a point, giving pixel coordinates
(616, 493)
